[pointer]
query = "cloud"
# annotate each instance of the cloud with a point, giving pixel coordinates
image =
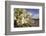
(36, 16)
(29, 13)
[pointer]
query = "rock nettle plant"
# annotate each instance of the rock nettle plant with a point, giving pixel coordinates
(22, 18)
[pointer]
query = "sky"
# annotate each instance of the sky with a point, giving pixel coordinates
(35, 13)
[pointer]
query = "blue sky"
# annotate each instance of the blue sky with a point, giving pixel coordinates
(35, 12)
